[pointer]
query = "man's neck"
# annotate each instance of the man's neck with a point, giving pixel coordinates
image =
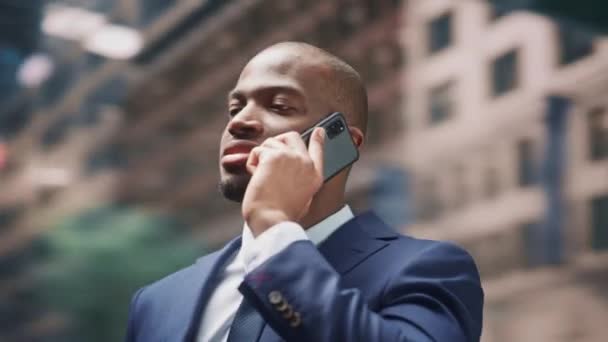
(319, 210)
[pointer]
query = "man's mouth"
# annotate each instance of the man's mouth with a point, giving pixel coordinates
(235, 155)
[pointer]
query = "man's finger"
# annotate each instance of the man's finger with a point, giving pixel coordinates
(258, 154)
(253, 159)
(293, 140)
(315, 149)
(273, 143)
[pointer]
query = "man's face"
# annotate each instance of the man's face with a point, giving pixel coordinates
(277, 92)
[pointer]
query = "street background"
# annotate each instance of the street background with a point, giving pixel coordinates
(488, 127)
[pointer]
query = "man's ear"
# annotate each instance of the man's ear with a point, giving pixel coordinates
(358, 136)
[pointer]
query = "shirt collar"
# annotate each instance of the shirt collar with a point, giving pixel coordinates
(318, 232)
(322, 230)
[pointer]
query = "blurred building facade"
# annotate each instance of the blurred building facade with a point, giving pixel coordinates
(57, 139)
(174, 133)
(145, 132)
(477, 89)
(457, 101)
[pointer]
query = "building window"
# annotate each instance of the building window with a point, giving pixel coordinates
(388, 195)
(10, 60)
(258, 22)
(395, 3)
(105, 157)
(598, 134)
(497, 11)
(62, 77)
(599, 219)
(442, 102)
(374, 9)
(574, 44)
(57, 131)
(440, 33)
(527, 170)
(351, 19)
(15, 117)
(325, 33)
(150, 10)
(504, 73)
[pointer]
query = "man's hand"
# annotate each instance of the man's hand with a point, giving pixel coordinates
(285, 177)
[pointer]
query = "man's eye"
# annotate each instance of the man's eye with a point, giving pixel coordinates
(280, 107)
(234, 111)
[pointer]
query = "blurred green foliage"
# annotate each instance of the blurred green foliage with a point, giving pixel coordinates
(97, 260)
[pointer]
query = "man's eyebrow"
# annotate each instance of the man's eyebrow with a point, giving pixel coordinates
(237, 94)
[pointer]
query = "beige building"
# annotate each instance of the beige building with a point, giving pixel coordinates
(476, 88)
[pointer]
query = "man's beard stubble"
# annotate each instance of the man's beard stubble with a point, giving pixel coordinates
(233, 187)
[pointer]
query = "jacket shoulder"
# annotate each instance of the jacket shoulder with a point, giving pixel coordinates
(376, 228)
(179, 277)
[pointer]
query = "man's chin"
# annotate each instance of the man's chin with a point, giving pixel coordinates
(233, 187)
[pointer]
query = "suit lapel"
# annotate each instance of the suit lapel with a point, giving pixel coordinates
(355, 241)
(347, 247)
(208, 268)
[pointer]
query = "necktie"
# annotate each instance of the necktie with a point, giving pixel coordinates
(247, 324)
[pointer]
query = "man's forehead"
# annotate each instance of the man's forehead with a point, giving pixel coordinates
(259, 79)
(273, 62)
(278, 69)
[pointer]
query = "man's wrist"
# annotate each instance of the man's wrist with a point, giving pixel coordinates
(260, 220)
(270, 242)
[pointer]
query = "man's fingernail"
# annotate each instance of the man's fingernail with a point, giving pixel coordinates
(321, 133)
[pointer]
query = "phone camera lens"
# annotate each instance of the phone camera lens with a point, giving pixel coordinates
(335, 128)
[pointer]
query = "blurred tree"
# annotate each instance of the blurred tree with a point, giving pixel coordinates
(97, 260)
(589, 13)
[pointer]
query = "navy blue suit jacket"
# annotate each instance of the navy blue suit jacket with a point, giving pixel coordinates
(364, 283)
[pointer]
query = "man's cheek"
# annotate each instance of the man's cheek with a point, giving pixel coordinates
(222, 142)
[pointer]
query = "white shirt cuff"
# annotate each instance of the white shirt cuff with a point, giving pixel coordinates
(271, 242)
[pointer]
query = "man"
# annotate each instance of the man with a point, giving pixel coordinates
(306, 268)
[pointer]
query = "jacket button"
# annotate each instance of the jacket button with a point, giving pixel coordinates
(275, 297)
(288, 313)
(282, 306)
(296, 320)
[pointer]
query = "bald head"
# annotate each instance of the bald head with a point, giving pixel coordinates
(288, 87)
(339, 84)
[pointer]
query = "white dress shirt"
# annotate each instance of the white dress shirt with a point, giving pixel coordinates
(225, 299)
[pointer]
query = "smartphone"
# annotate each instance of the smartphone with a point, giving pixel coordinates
(339, 150)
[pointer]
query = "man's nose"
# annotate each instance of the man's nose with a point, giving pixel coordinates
(246, 124)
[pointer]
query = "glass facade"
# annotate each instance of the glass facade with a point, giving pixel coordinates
(598, 133)
(599, 219)
(505, 73)
(442, 102)
(574, 44)
(527, 164)
(440, 33)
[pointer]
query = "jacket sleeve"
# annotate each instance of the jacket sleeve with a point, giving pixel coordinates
(435, 296)
(131, 335)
